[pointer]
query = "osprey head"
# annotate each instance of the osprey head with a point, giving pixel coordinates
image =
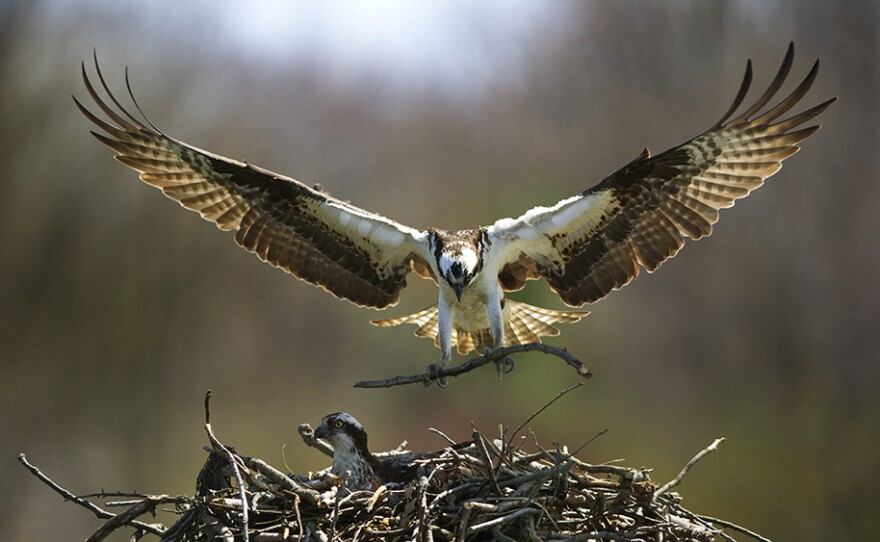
(352, 460)
(459, 257)
(342, 432)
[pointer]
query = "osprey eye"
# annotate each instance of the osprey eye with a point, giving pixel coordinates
(338, 424)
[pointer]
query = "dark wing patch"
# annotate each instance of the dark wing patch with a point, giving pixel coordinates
(513, 275)
(349, 252)
(646, 209)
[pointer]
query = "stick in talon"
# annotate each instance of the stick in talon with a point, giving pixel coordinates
(434, 375)
(505, 366)
(474, 363)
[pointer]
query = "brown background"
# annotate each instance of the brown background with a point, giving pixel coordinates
(119, 309)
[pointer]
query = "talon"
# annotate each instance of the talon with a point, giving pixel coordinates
(432, 373)
(504, 366)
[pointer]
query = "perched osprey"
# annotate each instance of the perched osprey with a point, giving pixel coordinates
(585, 246)
(352, 460)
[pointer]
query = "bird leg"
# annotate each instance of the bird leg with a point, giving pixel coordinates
(444, 331)
(496, 316)
(495, 308)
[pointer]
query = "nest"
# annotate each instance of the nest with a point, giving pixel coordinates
(482, 489)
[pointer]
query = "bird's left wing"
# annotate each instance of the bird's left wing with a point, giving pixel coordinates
(351, 253)
(594, 242)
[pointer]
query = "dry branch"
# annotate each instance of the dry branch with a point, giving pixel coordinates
(233, 464)
(97, 510)
(677, 480)
(499, 356)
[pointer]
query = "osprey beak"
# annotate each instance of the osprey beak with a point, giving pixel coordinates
(458, 288)
(320, 432)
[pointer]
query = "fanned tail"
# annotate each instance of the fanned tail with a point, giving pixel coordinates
(524, 324)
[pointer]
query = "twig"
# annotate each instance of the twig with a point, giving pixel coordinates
(299, 521)
(501, 537)
(584, 445)
(443, 435)
(702, 521)
(463, 525)
(491, 357)
(544, 473)
(108, 494)
(424, 524)
(232, 463)
(147, 504)
(536, 413)
(155, 529)
(334, 516)
(677, 480)
(308, 436)
(598, 535)
(735, 527)
(501, 520)
(185, 521)
(310, 496)
(558, 468)
(490, 470)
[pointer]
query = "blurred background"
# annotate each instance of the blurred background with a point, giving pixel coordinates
(118, 309)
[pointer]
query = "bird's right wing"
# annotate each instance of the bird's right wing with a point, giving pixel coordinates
(353, 254)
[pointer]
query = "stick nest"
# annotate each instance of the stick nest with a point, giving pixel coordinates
(467, 492)
(482, 489)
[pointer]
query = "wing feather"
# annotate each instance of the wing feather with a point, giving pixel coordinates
(593, 243)
(353, 254)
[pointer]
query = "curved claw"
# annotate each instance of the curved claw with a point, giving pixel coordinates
(432, 372)
(504, 366)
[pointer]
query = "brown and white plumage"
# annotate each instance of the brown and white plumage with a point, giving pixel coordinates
(585, 246)
(640, 215)
(354, 463)
(354, 254)
(523, 324)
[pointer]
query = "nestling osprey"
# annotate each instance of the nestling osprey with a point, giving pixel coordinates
(352, 460)
(585, 246)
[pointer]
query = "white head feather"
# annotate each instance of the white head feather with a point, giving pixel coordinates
(467, 258)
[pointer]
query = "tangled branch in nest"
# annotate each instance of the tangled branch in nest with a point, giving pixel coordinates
(482, 489)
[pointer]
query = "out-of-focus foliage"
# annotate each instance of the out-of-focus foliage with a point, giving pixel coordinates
(118, 309)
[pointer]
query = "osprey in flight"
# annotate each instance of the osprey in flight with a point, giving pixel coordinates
(585, 246)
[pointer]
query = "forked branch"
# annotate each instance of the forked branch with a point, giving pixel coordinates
(114, 521)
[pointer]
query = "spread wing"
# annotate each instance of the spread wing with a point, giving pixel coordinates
(594, 242)
(351, 253)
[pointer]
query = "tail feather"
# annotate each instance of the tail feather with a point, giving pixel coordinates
(419, 318)
(524, 324)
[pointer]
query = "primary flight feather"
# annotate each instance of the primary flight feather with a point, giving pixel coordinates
(585, 246)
